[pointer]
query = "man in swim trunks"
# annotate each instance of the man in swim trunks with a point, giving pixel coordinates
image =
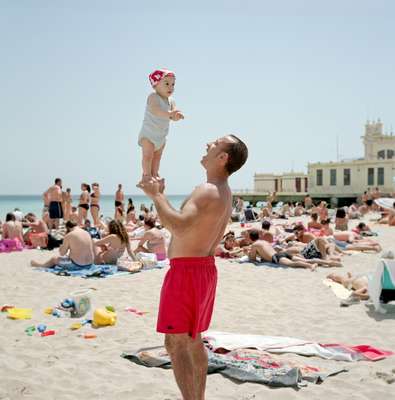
(119, 197)
(55, 198)
(265, 251)
(76, 250)
(188, 291)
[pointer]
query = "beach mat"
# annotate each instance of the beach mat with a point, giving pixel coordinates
(244, 365)
(338, 289)
(246, 260)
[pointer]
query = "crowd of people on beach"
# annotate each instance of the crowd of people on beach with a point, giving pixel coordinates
(322, 241)
(82, 241)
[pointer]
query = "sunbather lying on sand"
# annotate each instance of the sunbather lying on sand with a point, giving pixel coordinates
(359, 284)
(263, 250)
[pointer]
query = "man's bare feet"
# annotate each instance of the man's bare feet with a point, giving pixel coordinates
(313, 267)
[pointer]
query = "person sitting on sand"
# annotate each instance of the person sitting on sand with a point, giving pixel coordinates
(326, 230)
(74, 215)
(92, 230)
(390, 218)
(301, 235)
(76, 250)
(353, 212)
(12, 229)
(322, 210)
(154, 240)
(263, 250)
(313, 223)
(359, 284)
(341, 220)
(112, 247)
(299, 210)
(37, 234)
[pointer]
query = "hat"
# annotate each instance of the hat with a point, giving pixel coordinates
(156, 76)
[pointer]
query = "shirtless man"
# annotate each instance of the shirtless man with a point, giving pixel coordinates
(265, 251)
(67, 203)
(188, 291)
(119, 198)
(55, 199)
(76, 250)
(308, 202)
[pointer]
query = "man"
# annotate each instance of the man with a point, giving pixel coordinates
(37, 234)
(119, 198)
(55, 198)
(188, 291)
(308, 202)
(265, 251)
(76, 250)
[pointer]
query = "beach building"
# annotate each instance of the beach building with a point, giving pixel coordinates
(288, 183)
(348, 179)
(338, 182)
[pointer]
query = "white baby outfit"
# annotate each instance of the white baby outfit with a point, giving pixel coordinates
(155, 128)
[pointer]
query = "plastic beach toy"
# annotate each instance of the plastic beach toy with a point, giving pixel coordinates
(6, 307)
(30, 329)
(103, 317)
(89, 335)
(41, 328)
(48, 333)
(137, 312)
(20, 313)
(75, 326)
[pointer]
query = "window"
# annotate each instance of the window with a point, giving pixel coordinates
(381, 154)
(380, 176)
(390, 154)
(347, 177)
(319, 177)
(333, 177)
(370, 176)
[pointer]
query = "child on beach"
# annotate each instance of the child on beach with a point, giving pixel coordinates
(159, 111)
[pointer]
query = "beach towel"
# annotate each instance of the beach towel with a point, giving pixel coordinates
(244, 365)
(225, 341)
(245, 259)
(91, 271)
(338, 289)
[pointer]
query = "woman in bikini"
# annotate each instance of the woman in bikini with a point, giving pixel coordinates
(95, 206)
(112, 247)
(83, 206)
(154, 240)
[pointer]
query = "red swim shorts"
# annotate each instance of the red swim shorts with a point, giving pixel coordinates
(187, 296)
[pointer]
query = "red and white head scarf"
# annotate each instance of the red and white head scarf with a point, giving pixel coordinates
(156, 76)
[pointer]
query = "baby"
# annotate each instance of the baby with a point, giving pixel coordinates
(160, 109)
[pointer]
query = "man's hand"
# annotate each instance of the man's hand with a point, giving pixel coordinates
(151, 188)
(161, 185)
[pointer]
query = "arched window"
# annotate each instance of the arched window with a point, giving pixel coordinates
(381, 155)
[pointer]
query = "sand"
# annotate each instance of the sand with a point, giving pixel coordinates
(257, 300)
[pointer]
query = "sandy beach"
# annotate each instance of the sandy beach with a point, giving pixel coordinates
(250, 299)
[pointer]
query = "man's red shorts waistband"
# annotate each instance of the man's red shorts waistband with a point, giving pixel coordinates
(192, 261)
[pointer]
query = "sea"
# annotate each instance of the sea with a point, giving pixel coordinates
(34, 203)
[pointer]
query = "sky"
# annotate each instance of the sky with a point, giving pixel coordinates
(287, 77)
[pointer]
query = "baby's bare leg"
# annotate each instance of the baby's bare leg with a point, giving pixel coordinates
(148, 155)
(156, 162)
